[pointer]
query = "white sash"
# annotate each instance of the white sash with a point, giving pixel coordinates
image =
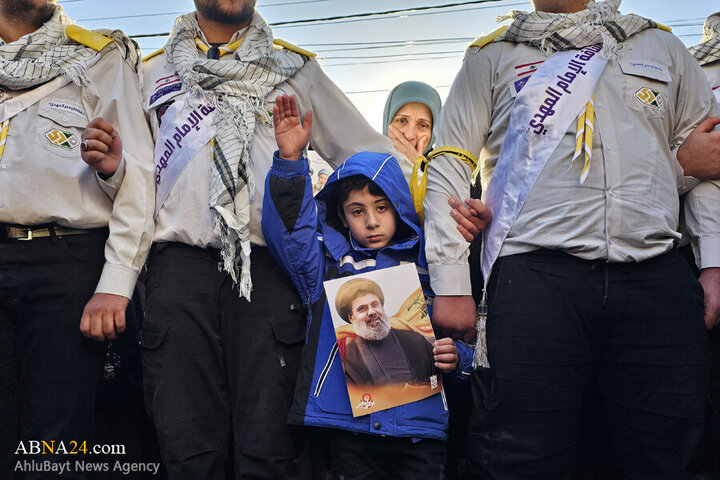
(187, 126)
(12, 102)
(544, 110)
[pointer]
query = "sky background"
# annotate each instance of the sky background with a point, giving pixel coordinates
(366, 57)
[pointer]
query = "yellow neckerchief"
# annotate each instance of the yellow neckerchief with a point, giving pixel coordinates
(418, 191)
(224, 49)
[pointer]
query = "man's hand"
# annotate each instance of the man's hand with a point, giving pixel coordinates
(455, 316)
(471, 217)
(291, 136)
(710, 281)
(101, 147)
(403, 145)
(445, 355)
(699, 155)
(104, 316)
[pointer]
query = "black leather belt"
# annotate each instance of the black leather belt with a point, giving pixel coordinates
(9, 232)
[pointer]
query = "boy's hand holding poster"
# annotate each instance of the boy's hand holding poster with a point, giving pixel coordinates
(385, 338)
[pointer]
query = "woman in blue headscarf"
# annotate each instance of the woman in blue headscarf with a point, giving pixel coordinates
(411, 110)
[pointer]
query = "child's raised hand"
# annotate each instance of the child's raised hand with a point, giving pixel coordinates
(445, 354)
(291, 136)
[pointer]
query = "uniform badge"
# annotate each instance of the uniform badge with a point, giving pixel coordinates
(62, 138)
(648, 96)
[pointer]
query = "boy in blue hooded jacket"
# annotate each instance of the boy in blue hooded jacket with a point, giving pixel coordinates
(361, 221)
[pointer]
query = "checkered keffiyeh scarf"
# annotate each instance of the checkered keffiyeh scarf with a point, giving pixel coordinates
(599, 22)
(708, 50)
(237, 89)
(46, 53)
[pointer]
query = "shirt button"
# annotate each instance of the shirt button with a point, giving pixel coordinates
(609, 147)
(3, 166)
(377, 426)
(611, 193)
(65, 119)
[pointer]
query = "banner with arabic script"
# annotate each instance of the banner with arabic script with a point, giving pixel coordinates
(186, 128)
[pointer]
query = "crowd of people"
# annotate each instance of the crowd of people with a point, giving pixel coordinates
(597, 286)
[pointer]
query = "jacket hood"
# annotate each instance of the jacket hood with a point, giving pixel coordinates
(384, 170)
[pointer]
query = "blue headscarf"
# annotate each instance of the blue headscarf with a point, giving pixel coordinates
(408, 92)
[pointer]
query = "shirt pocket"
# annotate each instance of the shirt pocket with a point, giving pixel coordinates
(647, 87)
(59, 126)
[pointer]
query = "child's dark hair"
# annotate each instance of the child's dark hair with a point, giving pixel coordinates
(354, 183)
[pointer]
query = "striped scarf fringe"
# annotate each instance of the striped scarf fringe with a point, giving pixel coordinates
(237, 89)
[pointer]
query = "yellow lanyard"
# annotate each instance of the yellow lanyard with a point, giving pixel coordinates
(4, 128)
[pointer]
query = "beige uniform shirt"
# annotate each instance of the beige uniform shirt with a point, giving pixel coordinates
(43, 178)
(338, 132)
(702, 207)
(627, 210)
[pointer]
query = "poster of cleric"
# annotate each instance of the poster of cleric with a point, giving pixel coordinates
(384, 337)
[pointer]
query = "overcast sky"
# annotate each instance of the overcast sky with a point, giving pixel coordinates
(425, 45)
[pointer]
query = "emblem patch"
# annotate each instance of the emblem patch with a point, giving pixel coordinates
(648, 96)
(62, 139)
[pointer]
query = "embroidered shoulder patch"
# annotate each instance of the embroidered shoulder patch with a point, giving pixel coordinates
(63, 139)
(648, 96)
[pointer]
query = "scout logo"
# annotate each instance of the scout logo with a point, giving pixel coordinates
(62, 139)
(367, 402)
(650, 97)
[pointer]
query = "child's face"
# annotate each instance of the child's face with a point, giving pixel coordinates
(371, 219)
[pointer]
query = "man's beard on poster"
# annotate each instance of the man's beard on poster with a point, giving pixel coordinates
(373, 334)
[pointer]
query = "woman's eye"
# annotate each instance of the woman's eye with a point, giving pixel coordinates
(401, 121)
(356, 212)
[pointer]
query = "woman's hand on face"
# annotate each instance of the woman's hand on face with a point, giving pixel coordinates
(402, 144)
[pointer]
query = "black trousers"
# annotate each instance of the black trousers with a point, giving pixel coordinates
(219, 372)
(48, 369)
(374, 457)
(553, 319)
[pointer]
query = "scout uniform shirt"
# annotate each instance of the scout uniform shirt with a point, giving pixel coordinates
(43, 178)
(338, 131)
(647, 101)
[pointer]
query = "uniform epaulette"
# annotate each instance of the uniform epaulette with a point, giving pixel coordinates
(154, 54)
(294, 48)
(94, 40)
(663, 27)
(485, 39)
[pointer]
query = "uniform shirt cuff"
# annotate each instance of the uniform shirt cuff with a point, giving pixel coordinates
(117, 280)
(450, 279)
(709, 249)
(111, 184)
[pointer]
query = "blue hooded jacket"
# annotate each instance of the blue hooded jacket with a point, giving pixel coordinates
(302, 239)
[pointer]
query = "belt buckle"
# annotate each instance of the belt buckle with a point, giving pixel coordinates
(28, 236)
